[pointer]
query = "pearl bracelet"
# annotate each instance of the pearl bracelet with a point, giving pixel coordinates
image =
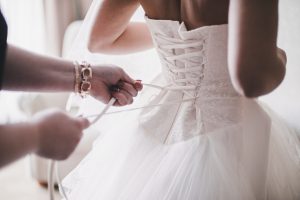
(83, 76)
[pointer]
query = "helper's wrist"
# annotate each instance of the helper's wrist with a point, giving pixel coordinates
(34, 132)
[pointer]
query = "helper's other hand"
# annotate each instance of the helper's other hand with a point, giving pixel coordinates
(112, 81)
(57, 133)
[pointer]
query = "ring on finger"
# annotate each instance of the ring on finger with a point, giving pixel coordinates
(115, 88)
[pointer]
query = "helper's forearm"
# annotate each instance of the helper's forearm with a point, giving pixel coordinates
(16, 141)
(27, 71)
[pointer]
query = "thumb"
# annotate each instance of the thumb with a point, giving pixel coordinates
(83, 122)
(136, 83)
(127, 78)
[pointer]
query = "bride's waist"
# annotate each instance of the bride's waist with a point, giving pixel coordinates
(203, 90)
(216, 97)
(203, 108)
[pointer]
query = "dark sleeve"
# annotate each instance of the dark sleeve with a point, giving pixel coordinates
(3, 45)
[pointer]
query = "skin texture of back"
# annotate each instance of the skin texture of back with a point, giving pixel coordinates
(194, 13)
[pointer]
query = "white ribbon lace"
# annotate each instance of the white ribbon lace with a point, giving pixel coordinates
(189, 75)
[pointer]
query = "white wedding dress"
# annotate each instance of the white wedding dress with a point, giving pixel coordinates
(202, 140)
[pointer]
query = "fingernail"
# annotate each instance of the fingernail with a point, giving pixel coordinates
(137, 85)
(138, 82)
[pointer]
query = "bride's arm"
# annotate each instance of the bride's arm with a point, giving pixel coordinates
(113, 33)
(256, 65)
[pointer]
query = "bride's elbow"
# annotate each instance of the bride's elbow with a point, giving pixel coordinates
(98, 44)
(94, 47)
(252, 82)
(91, 47)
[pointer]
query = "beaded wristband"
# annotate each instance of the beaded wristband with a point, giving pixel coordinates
(83, 76)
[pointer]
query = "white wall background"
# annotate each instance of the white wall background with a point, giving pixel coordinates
(286, 99)
(25, 19)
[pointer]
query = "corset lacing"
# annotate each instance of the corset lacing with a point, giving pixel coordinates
(188, 76)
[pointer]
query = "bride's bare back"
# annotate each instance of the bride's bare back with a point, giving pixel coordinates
(194, 13)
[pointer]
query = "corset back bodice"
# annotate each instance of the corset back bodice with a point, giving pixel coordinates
(194, 63)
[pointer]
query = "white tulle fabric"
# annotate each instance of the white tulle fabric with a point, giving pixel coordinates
(216, 146)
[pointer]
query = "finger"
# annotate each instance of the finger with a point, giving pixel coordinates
(129, 98)
(129, 88)
(138, 85)
(123, 97)
(127, 78)
(117, 104)
(83, 122)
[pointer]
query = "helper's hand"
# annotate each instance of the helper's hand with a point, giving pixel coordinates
(58, 134)
(112, 81)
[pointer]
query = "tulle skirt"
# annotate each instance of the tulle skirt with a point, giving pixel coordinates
(255, 159)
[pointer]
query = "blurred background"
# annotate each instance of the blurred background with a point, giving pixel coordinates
(50, 26)
(39, 26)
